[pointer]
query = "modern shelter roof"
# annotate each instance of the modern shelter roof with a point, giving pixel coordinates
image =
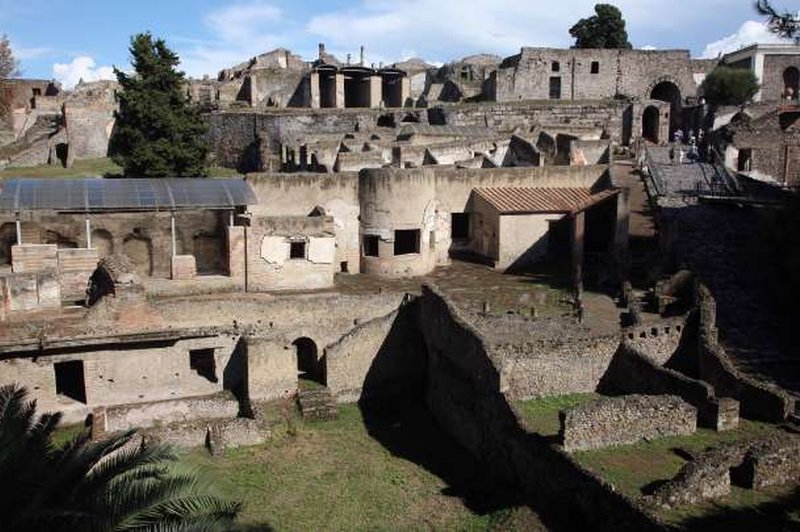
(104, 195)
(531, 200)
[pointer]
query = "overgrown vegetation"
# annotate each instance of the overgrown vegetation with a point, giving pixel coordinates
(541, 415)
(157, 133)
(108, 485)
(604, 29)
(729, 86)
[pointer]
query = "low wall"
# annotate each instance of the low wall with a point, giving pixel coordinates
(166, 412)
(625, 420)
(215, 435)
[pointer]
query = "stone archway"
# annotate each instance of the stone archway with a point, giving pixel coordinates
(791, 83)
(667, 90)
(309, 365)
(651, 119)
(103, 242)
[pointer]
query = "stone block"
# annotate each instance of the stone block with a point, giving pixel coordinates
(772, 462)
(49, 289)
(184, 267)
(23, 293)
(27, 258)
(720, 414)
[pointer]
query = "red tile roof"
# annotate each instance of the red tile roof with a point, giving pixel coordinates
(518, 200)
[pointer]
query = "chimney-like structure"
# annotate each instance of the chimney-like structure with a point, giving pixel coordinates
(348, 59)
(362, 56)
(321, 51)
(287, 53)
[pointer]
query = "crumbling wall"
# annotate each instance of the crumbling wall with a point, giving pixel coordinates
(464, 395)
(146, 415)
(758, 400)
(625, 420)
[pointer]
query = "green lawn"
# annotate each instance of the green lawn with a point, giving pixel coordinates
(541, 415)
(88, 168)
(336, 476)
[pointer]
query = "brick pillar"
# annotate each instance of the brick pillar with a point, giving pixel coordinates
(621, 232)
(99, 423)
(578, 228)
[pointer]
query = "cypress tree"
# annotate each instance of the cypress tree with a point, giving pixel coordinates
(158, 133)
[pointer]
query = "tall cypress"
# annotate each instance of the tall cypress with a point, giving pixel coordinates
(157, 133)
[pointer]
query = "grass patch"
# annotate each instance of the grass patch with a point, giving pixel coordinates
(88, 168)
(65, 433)
(335, 475)
(541, 415)
(631, 467)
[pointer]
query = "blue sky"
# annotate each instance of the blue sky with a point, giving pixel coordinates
(69, 39)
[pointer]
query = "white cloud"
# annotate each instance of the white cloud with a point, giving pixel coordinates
(750, 32)
(82, 67)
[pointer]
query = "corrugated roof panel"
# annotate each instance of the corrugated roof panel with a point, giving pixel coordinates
(95, 195)
(509, 200)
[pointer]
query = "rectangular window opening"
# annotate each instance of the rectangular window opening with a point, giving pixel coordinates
(297, 250)
(459, 225)
(70, 380)
(595, 67)
(555, 88)
(202, 361)
(406, 241)
(371, 245)
(343, 267)
(555, 66)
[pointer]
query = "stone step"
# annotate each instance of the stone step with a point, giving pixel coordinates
(317, 404)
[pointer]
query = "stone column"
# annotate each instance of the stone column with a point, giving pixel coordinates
(339, 91)
(314, 84)
(405, 90)
(578, 227)
(375, 91)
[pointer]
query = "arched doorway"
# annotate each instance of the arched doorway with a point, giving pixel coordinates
(103, 242)
(650, 123)
(309, 366)
(140, 252)
(791, 83)
(667, 91)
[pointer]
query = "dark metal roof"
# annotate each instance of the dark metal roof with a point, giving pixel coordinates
(103, 195)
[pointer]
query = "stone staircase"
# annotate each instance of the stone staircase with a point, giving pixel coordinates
(316, 403)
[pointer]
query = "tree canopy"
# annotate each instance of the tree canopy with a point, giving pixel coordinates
(158, 133)
(113, 484)
(8, 68)
(729, 86)
(786, 24)
(604, 29)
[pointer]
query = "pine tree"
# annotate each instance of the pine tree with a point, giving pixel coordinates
(729, 86)
(605, 29)
(158, 133)
(8, 68)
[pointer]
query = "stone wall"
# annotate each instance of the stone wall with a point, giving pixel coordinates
(300, 194)
(125, 369)
(625, 420)
(381, 357)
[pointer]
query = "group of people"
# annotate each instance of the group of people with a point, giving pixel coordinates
(690, 146)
